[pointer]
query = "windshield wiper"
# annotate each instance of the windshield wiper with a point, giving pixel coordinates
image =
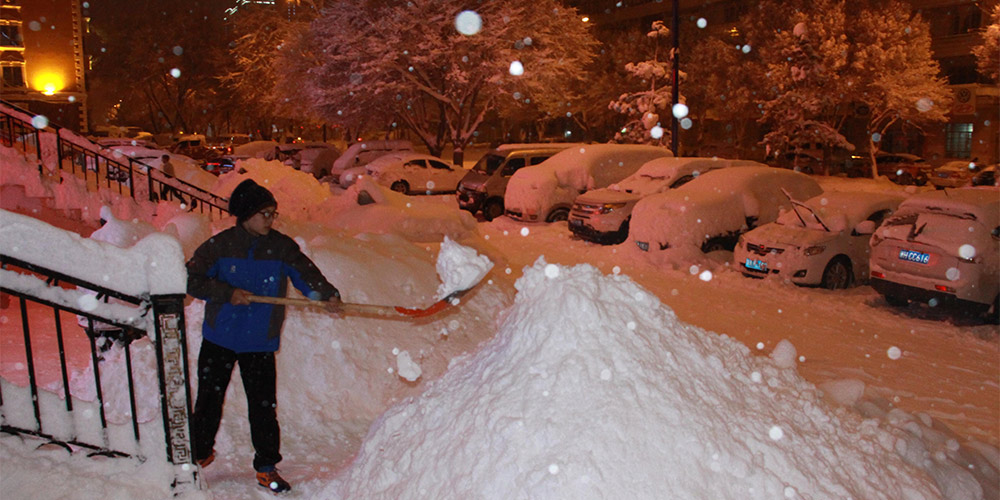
(807, 207)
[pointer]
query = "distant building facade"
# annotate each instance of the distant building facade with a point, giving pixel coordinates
(42, 58)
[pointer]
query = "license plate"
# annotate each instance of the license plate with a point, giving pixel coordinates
(914, 256)
(756, 264)
(576, 222)
(644, 246)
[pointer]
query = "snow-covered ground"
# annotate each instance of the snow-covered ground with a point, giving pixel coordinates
(573, 371)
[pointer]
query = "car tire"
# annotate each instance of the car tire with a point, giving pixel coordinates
(714, 245)
(992, 315)
(895, 301)
(492, 209)
(400, 187)
(837, 274)
(559, 214)
(621, 234)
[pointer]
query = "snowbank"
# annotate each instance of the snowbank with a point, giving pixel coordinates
(592, 388)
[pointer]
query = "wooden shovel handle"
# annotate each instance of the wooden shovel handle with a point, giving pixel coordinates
(351, 308)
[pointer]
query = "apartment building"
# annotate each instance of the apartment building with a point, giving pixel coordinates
(42, 58)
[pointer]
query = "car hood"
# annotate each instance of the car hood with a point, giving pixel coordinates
(605, 195)
(782, 235)
(473, 180)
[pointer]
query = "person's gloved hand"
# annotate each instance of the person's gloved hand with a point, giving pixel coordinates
(240, 297)
(334, 305)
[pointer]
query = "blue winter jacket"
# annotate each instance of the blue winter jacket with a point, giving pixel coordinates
(262, 265)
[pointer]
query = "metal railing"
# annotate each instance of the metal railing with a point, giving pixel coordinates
(59, 423)
(101, 168)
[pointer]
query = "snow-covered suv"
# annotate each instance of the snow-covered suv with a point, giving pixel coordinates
(941, 247)
(484, 186)
(545, 192)
(603, 215)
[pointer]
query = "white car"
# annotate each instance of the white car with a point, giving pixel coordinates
(953, 174)
(415, 173)
(545, 192)
(603, 215)
(360, 154)
(712, 211)
(941, 247)
(823, 241)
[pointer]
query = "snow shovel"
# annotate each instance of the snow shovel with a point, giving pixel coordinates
(370, 309)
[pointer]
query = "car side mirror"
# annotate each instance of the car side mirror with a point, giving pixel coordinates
(865, 227)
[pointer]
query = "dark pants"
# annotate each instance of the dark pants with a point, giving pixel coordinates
(215, 368)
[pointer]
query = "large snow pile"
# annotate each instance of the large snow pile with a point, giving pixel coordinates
(592, 388)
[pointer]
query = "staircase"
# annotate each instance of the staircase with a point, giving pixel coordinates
(65, 157)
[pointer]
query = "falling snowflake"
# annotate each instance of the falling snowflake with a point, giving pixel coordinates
(468, 23)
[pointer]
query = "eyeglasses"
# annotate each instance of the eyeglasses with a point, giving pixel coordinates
(269, 214)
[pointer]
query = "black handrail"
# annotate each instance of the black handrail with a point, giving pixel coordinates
(162, 314)
(80, 156)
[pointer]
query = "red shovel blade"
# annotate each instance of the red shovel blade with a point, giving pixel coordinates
(433, 308)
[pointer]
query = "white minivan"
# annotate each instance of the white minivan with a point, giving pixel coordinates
(942, 248)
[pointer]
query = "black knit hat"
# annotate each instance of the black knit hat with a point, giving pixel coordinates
(248, 198)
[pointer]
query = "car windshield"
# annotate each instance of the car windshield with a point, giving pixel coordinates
(642, 184)
(488, 164)
(802, 215)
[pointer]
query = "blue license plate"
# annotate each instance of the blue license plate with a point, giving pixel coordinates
(644, 246)
(756, 264)
(914, 256)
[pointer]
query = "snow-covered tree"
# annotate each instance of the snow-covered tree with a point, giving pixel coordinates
(899, 81)
(257, 80)
(648, 108)
(805, 68)
(439, 68)
(723, 82)
(988, 53)
(156, 64)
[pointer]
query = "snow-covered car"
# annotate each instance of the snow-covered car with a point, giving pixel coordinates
(902, 168)
(254, 149)
(360, 154)
(351, 175)
(603, 215)
(820, 242)
(484, 186)
(712, 211)
(314, 158)
(941, 247)
(987, 177)
(545, 192)
(953, 174)
(367, 207)
(415, 173)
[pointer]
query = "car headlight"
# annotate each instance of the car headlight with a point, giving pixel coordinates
(813, 250)
(609, 207)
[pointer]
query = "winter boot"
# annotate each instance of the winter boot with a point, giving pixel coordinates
(204, 462)
(272, 481)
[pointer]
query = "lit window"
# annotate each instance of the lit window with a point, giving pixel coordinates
(13, 76)
(958, 140)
